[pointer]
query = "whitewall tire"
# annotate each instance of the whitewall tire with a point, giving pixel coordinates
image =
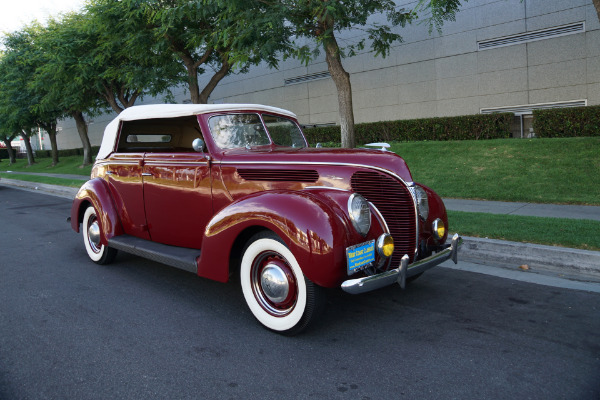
(97, 252)
(278, 294)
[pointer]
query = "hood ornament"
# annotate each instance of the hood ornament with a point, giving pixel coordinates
(384, 146)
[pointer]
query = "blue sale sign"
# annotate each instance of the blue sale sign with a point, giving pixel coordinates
(360, 256)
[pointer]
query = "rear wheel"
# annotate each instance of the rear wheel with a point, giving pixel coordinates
(98, 253)
(276, 291)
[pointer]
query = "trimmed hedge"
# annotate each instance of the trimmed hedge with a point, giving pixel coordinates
(473, 127)
(3, 154)
(65, 153)
(567, 122)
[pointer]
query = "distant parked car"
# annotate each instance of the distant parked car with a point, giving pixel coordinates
(222, 190)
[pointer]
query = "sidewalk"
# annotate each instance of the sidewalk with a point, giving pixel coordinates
(526, 209)
(581, 265)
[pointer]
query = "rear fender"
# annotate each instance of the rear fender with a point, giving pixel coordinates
(97, 193)
(307, 223)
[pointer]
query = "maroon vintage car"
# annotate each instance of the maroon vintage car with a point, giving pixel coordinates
(225, 190)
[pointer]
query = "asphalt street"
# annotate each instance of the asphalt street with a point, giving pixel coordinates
(137, 329)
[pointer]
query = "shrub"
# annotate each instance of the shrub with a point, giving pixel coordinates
(65, 152)
(567, 122)
(479, 126)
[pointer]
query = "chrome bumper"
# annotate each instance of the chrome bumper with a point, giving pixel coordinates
(399, 275)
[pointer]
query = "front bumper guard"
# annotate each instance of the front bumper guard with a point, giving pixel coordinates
(399, 275)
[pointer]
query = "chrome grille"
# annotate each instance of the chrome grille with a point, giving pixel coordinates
(393, 199)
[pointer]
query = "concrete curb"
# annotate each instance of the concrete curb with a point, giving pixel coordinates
(55, 190)
(583, 264)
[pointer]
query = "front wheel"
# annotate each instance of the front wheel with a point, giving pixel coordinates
(276, 291)
(98, 253)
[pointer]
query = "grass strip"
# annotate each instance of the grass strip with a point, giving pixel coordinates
(44, 179)
(573, 233)
(66, 165)
(558, 170)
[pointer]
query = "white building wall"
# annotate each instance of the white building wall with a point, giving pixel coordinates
(434, 75)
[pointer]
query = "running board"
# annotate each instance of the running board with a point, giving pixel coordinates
(178, 257)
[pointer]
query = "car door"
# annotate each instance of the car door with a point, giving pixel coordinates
(124, 173)
(177, 197)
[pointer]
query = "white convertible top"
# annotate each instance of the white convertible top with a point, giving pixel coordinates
(171, 111)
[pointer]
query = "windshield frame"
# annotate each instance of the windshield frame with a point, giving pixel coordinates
(264, 126)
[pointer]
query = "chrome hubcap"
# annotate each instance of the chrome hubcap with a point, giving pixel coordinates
(274, 283)
(94, 235)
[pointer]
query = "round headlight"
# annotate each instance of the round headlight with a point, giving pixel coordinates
(422, 202)
(360, 214)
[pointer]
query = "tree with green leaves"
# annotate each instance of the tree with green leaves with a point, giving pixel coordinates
(91, 65)
(16, 101)
(120, 62)
(210, 38)
(62, 77)
(322, 21)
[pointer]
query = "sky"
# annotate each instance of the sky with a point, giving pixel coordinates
(17, 13)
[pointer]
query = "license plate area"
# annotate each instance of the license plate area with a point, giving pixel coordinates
(360, 256)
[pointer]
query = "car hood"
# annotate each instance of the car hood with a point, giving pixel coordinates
(379, 159)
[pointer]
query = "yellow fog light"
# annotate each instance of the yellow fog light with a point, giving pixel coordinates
(439, 230)
(385, 245)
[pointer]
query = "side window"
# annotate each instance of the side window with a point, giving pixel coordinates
(238, 130)
(159, 135)
(284, 132)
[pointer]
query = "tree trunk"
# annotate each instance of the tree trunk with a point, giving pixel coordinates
(341, 78)
(11, 152)
(113, 103)
(216, 78)
(50, 128)
(30, 158)
(193, 83)
(53, 147)
(597, 5)
(82, 129)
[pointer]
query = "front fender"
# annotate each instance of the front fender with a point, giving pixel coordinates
(307, 223)
(97, 193)
(437, 209)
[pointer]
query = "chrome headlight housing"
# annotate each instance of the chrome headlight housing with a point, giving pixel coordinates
(360, 214)
(422, 202)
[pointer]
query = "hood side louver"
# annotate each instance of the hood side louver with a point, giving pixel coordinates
(279, 175)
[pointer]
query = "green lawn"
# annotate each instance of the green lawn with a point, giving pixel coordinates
(66, 165)
(530, 170)
(581, 234)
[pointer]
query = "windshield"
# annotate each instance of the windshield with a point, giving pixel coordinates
(284, 132)
(238, 130)
(246, 130)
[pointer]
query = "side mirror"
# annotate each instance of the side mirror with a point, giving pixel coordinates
(198, 145)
